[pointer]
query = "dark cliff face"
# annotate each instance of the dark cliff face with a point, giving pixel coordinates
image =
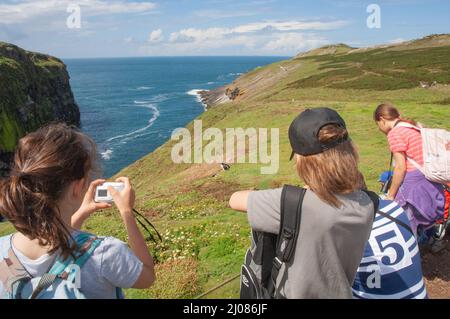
(34, 91)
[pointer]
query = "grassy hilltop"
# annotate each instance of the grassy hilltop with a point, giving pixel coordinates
(204, 240)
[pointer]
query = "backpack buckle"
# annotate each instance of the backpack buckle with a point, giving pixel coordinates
(277, 263)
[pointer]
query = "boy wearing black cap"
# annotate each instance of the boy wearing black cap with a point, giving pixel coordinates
(336, 214)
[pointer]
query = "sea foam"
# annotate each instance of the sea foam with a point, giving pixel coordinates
(123, 138)
(198, 97)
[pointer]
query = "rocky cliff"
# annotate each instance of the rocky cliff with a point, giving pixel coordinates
(34, 90)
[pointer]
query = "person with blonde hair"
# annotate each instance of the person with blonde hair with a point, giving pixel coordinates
(336, 214)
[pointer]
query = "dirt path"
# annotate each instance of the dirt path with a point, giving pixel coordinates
(436, 270)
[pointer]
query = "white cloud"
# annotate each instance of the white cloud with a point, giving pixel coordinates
(155, 36)
(294, 42)
(22, 11)
(277, 43)
(197, 35)
(194, 35)
(290, 26)
(267, 37)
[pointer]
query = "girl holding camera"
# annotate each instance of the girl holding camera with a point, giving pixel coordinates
(48, 196)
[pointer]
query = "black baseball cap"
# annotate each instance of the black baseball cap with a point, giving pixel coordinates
(304, 131)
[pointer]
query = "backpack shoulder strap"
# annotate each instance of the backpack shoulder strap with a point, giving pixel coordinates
(62, 268)
(397, 221)
(291, 211)
(12, 273)
(413, 162)
(290, 219)
(417, 127)
(375, 200)
(409, 125)
(86, 244)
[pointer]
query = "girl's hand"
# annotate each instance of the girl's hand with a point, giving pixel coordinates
(88, 206)
(125, 199)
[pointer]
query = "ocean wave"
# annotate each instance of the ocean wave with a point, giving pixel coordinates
(154, 99)
(196, 93)
(146, 133)
(134, 134)
(142, 88)
(106, 155)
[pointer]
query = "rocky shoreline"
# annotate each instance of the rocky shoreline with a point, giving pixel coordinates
(220, 95)
(211, 98)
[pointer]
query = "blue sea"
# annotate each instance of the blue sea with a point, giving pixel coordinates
(130, 106)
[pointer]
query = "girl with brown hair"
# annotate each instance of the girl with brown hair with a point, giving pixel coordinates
(336, 214)
(422, 200)
(48, 196)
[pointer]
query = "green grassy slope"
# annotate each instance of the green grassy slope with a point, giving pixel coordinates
(204, 240)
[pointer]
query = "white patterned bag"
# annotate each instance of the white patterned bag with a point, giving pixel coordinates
(436, 153)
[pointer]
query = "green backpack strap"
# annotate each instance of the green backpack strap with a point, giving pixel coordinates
(86, 243)
(63, 268)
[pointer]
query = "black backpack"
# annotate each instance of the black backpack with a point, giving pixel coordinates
(268, 252)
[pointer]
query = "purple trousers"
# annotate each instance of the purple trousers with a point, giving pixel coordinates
(422, 200)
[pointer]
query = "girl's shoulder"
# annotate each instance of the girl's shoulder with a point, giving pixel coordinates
(358, 201)
(113, 244)
(404, 131)
(399, 130)
(110, 249)
(106, 242)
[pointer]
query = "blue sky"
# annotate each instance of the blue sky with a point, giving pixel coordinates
(122, 28)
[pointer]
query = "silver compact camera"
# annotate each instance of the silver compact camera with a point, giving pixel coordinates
(102, 195)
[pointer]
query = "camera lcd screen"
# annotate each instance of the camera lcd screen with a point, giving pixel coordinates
(102, 193)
